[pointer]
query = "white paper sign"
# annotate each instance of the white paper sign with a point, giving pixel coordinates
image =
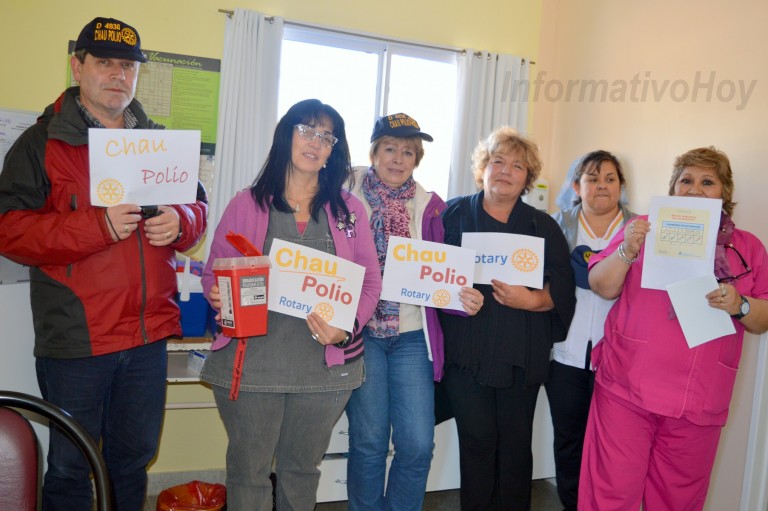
(304, 280)
(699, 321)
(514, 259)
(426, 273)
(681, 244)
(144, 167)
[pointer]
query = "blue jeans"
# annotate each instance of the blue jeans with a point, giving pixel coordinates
(119, 399)
(399, 393)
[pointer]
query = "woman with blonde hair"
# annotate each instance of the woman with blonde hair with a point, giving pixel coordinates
(496, 361)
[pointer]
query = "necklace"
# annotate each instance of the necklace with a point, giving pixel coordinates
(296, 208)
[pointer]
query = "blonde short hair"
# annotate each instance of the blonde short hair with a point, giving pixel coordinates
(506, 140)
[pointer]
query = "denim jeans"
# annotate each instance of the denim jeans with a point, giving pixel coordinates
(398, 393)
(293, 429)
(119, 398)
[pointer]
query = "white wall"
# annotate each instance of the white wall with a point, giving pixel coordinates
(654, 42)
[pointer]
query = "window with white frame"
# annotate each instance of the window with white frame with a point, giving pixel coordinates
(363, 78)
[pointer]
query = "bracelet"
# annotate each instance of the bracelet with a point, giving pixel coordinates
(623, 256)
(345, 342)
(106, 215)
(178, 236)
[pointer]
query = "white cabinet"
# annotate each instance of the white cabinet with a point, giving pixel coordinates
(444, 473)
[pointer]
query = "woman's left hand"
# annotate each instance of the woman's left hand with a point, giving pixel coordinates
(322, 332)
(471, 300)
(725, 297)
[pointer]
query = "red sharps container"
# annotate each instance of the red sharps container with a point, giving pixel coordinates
(243, 283)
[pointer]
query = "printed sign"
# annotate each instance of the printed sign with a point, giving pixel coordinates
(426, 273)
(304, 280)
(681, 244)
(143, 167)
(514, 259)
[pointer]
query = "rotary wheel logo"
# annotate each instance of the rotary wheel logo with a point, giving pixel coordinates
(525, 260)
(129, 36)
(324, 310)
(110, 191)
(441, 298)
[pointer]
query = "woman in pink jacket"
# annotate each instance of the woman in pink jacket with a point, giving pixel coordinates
(659, 406)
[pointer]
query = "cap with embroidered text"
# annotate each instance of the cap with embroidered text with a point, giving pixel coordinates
(110, 38)
(398, 125)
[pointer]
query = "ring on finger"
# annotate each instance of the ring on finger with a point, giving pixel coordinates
(723, 291)
(722, 300)
(125, 227)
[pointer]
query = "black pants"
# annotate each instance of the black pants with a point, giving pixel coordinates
(495, 427)
(569, 391)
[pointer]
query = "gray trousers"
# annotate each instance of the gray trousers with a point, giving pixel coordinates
(294, 429)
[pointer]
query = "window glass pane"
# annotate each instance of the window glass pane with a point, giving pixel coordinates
(345, 79)
(426, 90)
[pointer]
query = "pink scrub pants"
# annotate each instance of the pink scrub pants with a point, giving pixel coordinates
(633, 456)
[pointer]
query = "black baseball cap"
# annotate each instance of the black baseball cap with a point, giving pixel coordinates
(110, 38)
(398, 125)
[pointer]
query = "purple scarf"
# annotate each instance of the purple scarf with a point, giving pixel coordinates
(724, 235)
(389, 217)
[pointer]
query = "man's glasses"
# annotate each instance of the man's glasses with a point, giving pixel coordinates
(747, 269)
(310, 133)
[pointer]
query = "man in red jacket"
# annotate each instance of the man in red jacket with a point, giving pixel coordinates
(102, 280)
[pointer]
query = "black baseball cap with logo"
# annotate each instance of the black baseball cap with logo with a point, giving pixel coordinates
(398, 125)
(110, 38)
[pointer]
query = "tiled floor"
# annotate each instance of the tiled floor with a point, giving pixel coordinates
(544, 498)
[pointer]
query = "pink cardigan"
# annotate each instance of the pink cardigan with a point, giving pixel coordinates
(245, 217)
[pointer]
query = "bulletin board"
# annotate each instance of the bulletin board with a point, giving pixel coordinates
(179, 91)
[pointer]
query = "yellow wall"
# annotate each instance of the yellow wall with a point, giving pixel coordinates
(34, 33)
(618, 39)
(34, 36)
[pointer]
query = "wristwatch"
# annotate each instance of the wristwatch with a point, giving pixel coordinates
(743, 309)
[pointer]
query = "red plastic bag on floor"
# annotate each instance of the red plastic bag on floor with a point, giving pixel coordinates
(193, 496)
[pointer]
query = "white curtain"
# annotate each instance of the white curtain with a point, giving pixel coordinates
(492, 92)
(250, 72)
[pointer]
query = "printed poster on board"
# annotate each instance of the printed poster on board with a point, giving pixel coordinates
(514, 259)
(426, 273)
(304, 280)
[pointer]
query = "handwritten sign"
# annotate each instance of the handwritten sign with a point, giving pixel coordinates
(143, 167)
(304, 280)
(514, 259)
(426, 273)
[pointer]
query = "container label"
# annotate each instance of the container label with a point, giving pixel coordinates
(253, 290)
(227, 309)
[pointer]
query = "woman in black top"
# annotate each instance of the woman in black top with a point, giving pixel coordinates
(496, 360)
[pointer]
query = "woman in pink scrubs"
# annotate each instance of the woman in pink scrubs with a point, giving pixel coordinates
(659, 406)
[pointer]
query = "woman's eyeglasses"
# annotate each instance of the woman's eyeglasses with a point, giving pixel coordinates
(747, 269)
(310, 133)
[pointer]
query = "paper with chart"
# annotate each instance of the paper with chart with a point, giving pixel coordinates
(681, 244)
